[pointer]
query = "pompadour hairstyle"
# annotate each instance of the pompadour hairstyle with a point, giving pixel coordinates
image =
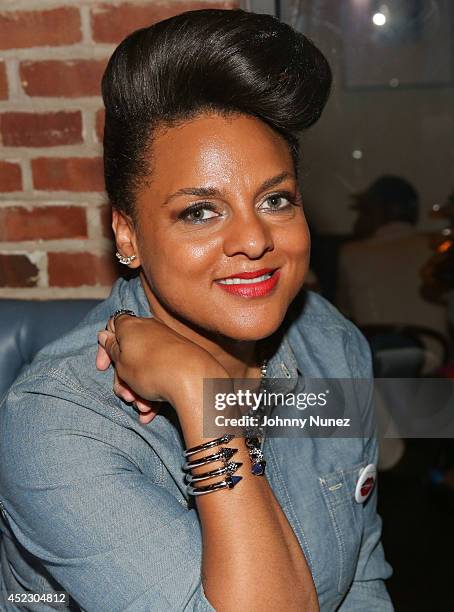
(210, 60)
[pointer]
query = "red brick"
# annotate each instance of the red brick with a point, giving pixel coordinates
(42, 223)
(3, 82)
(59, 26)
(63, 79)
(110, 24)
(41, 129)
(17, 271)
(68, 173)
(10, 177)
(76, 269)
(99, 125)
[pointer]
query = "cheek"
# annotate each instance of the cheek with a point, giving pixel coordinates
(296, 242)
(169, 260)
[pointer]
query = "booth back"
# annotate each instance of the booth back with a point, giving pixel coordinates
(28, 325)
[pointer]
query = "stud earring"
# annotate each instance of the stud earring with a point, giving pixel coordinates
(125, 260)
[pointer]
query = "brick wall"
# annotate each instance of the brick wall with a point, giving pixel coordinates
(55, 237)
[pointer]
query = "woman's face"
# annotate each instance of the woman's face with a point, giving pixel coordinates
(222, 199)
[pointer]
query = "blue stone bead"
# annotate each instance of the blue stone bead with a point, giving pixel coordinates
(234, 480)
(259, 468)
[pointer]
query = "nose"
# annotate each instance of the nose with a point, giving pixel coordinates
(248, 234)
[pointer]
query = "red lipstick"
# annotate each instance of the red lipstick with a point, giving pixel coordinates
(251, 289)
(252, 274)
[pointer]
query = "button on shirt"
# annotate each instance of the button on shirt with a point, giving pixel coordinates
(95, 504)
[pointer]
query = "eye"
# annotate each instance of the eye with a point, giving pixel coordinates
(197, 213)
(279, 202)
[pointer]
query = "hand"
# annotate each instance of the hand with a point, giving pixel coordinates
(153, 363)
(147, 409)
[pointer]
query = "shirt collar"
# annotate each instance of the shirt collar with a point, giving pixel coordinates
(134, 298)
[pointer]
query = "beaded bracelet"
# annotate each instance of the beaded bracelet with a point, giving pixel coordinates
(253, 438)
(258, 462)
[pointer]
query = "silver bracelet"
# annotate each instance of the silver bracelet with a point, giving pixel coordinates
(224, 454)
(195, 449)
(228, 483)
(229, 468)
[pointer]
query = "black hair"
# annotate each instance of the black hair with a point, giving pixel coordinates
(397, 198)
(209, 60)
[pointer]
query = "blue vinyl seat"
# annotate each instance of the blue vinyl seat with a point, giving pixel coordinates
(28, 325)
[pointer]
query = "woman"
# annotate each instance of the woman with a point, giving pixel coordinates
(201, 154)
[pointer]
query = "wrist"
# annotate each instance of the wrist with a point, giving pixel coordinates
(191, 390)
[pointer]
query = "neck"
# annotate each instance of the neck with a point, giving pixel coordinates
(240, 358)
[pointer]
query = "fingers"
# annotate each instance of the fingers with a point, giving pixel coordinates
(108, 341)
(109, 352)
(103, 359)
(111, 325)
(147, 411)
(122, 390)
(116, 324)
(146, 418)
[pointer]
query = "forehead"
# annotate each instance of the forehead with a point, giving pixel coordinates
(219, 150)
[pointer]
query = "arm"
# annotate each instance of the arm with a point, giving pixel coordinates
(251, 557)
(111, 536)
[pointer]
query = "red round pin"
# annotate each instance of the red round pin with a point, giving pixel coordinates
(366, 482)
(367, 487)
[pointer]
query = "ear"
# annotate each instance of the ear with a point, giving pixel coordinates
(125, 236)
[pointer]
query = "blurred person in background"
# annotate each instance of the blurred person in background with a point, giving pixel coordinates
(379, 283)
(379, 274)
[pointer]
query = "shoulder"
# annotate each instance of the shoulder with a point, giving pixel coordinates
(320, 335)
(81, 336)
(61, 389)
(71, 357)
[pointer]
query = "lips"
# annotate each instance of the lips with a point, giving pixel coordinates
(252, 274)
(251, 284)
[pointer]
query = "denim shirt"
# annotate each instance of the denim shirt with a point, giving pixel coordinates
(95, 504)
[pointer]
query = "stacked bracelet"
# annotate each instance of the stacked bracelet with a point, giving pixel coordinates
(196, 449)
(228, 483)
(229, 467)
(223, 455)
(253, 441)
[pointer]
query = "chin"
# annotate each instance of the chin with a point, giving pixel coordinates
(250, 332)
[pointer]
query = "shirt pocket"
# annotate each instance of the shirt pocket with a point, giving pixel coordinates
(346, 520)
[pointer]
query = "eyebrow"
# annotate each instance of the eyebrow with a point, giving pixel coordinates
(210, 192)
